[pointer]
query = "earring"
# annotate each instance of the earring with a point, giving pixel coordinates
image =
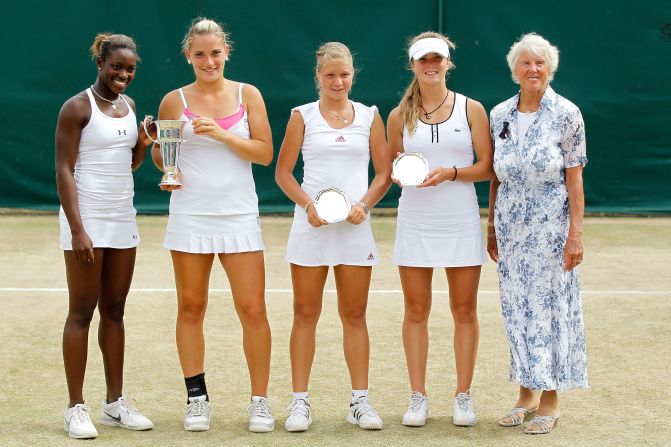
(226, 59)
(188, 61)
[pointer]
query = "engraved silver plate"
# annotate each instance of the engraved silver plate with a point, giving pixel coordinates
(332, 205)
(410, 168)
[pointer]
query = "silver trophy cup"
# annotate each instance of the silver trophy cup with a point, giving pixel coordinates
(170, 134)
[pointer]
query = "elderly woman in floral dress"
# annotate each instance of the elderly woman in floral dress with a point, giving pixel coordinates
(535, 234)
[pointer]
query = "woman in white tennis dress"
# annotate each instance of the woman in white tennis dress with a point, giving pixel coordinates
(337, 139)
(215, 212)
(97, 148)
(438, 221)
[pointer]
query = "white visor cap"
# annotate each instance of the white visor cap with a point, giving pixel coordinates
(428, 45)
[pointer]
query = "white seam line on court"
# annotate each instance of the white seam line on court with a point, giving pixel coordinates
(377, 291)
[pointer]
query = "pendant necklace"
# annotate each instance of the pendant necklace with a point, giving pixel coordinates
(428, 114)
(105, 99)
(340, 117)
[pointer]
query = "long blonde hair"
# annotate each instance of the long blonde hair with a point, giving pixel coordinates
(412, 98)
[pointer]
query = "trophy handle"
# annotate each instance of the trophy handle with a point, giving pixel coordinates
(149, 118)
(190, 119)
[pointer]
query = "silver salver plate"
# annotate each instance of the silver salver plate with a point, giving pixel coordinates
(332, 205)
(410, 168)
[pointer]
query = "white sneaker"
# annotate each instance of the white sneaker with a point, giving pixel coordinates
(300, 416)
(122, 414)
(362, 414)
(197, 414)
(77, 422)
(418, 410)
(260, 418)
(463, 414)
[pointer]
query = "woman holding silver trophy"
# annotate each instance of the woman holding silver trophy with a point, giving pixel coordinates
(337, 138)
(214, 211)
(438, 131)
(97, 148)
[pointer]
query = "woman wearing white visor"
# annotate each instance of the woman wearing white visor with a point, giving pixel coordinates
(438, 221)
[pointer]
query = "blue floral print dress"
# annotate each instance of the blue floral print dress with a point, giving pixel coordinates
(542, 310)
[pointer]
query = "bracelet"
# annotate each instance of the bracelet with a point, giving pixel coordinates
(455, 173)
(491, 235)
(311, 202)
(363, 205)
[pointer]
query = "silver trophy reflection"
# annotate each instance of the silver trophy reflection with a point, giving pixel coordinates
(170, 134)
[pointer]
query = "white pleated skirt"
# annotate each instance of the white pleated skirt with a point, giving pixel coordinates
(445, 240)
(116, 230)
(213, 234)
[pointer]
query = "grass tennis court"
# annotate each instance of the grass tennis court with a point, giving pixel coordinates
(627, 304)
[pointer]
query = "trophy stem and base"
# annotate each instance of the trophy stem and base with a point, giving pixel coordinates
(170, 180)
(170, 134)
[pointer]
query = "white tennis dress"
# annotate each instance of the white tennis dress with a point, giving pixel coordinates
(104, 181)
(333, 158)
(216, 210)
(439, 226)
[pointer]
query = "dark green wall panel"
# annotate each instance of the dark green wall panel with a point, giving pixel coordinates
(615, 64)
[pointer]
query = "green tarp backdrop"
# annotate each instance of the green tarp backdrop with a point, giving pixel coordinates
(615, 64)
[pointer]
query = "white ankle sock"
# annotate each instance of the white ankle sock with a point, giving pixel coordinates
(358, 394)
(302, 395)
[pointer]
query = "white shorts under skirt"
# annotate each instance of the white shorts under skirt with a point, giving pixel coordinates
(116, 231)
(340, 243)
(213, 234)
(450, 240)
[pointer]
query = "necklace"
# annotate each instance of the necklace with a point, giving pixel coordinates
(428, 114)
(105, 99)
(338, 116)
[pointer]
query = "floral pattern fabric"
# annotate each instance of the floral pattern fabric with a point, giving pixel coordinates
(541, 306)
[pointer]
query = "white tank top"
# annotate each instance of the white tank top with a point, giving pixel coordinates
(215, 180)
(103, 174)
(336, 158)
(444, 144)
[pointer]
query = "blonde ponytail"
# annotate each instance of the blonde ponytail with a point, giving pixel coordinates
(412, 98)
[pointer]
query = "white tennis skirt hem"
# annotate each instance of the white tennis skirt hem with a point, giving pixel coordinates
(104, 233)
(340, 243)
(213, 234)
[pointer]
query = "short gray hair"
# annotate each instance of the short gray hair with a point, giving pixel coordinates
(536, 45)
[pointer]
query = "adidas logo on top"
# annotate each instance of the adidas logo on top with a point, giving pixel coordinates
(340, 139)
(370, 257)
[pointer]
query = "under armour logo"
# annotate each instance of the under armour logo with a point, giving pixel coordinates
(370, 257)
(122, 130)
(340, 139)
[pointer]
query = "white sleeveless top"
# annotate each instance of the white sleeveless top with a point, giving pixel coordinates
(215, 180)
(439, 226)
(334, 158)
(104, 180)
(444, 144)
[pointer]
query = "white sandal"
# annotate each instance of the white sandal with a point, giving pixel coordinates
(514, 417)
(544, 424)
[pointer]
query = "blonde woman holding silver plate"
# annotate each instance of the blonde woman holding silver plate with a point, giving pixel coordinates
(438, 221)
(337, 138)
